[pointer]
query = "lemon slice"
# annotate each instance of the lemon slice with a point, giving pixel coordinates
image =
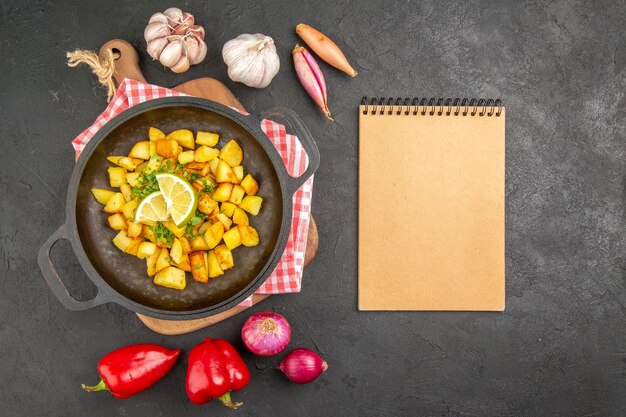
(152, 208)
(180, 197)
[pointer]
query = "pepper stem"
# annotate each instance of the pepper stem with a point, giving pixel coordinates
(225, 399)
(95, 388)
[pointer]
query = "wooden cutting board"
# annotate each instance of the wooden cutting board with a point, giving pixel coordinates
(127, 66)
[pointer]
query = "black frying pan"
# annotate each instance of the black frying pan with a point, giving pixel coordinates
(122, 278)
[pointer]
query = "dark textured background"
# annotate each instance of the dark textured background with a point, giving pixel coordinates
(558, 349)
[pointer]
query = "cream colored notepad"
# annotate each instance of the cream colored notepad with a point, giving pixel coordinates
(431, 207)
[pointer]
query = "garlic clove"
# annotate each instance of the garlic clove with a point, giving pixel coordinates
(158, 17)
(180, 30)
(188, 19)
(171, 54)
(201, 53)
(197, 32)
(156, 46)
(192, 47)
(156, 30)
(181, 66)
(174, 15)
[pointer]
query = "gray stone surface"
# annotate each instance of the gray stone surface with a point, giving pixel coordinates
(558, 349)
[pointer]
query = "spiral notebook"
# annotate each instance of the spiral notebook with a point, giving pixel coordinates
(431, 204)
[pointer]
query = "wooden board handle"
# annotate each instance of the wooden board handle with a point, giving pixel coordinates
(126, 60)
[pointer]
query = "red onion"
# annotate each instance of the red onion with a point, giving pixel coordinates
(266, 333)
(302, 366)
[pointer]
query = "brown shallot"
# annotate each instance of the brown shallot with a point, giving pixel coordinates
(325, 48)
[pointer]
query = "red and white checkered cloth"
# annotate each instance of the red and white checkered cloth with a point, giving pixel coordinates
(287, 276)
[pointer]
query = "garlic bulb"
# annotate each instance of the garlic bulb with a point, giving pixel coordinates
(175, 40)
(251, 59)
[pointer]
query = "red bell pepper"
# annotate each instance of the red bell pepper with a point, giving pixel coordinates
(215, 369)
(132, 369)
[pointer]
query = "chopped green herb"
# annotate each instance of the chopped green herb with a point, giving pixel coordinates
(208, 187)
(195, 220)
(197, 267)
(163, 234)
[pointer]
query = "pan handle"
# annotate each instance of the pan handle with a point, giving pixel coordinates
(54, 280)
(306, 139)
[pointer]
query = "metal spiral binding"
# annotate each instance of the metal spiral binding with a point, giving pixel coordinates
(439, 106)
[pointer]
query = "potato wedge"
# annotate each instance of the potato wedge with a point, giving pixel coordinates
(199, 243)
(163, 261)
(237, 194)
(199, 266)
(224, 257)
(171, 277)
(207, 205)
(133, 229)
(228, 208)
(117, 222)
(125, 162)
(102, 196)
(133, 248)
(207, 138)
(222, 218)
(151, 261)
(115, 204)
(222, 192)
(167, 148)
(251, 204)
(196, 166)
(249, 235)
(140, 150)
(117, 176)
(215, 270)
(130, 208)
(205, 154)
(126, 191)
(147, 233)
(204, 184)
(114, 159)
(238, 170)
(224, 173)
(155, 134)
(184, 243)
(121, 241)
(142, 165)
(214, 234)
(184, 264)
(232, 239)
(250, 185)
(146, 250)
(176, 251)
(213, 163)
(232, 153)
(132, 178)
(186, 157)
(203, 228)
(184, 137)
(240, 217)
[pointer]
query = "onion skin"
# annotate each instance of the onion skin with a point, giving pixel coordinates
(266, 333)
(325, 48)
(302, 366)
